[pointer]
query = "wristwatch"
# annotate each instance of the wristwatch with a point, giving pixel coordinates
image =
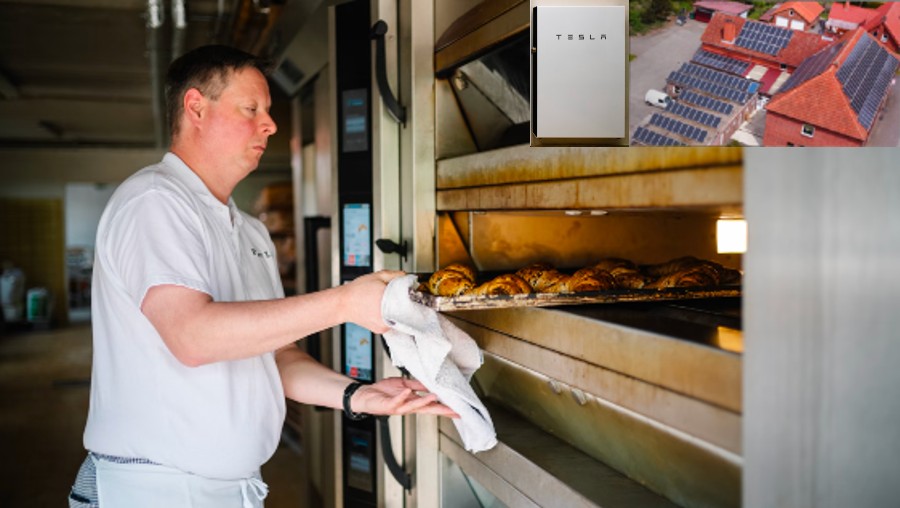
(348, 393)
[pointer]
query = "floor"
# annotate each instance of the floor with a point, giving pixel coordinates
(44, 389)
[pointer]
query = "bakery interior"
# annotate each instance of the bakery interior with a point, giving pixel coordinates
(776, 387)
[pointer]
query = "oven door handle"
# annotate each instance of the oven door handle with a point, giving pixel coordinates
(387, 96)
(387, 451)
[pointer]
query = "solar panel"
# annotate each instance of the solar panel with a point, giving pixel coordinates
(678, 127)
(721, 62)
(763, 38)
(713, 82)
(694, 115)
(652, 138)
(717, 77)
(865, 77)
(706, 102)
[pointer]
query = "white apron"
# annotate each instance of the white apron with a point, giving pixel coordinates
(152, 486)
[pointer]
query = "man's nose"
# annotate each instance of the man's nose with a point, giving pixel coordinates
(268, 125)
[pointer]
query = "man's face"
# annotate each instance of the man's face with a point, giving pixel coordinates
(238, 124)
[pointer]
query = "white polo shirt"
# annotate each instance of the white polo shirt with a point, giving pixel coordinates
(222, 420)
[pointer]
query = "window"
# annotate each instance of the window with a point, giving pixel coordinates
(791, 12)
(783, 67)
(884, 37)
(807, 130)
(790, 144)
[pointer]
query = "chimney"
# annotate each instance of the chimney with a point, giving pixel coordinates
(729, 32)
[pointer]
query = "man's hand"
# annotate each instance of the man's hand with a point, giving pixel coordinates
(362, 302)
(397, 396)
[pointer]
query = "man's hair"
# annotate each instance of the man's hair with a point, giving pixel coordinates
(207, 69)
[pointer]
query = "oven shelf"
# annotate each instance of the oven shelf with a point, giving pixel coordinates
(530, 467)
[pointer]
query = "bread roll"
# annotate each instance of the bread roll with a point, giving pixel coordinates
(465, 270)
(507, 284)
(590, 279)
(698, 275)
(533, 272)
(449, 283)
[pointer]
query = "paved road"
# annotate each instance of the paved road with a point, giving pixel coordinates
(658, 53)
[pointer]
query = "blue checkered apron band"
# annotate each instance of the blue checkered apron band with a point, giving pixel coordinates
(84, 491)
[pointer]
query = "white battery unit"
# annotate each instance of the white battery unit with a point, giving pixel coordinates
(579, 86)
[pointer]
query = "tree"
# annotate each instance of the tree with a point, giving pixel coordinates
(657, 10)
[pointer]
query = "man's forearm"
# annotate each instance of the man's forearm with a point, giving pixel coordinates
(199, 331)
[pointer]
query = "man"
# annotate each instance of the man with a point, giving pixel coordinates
(187, 396)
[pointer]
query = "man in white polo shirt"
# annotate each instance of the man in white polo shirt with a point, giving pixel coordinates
(193, 339)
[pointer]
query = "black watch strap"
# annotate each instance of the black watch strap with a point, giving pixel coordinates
(348, 393)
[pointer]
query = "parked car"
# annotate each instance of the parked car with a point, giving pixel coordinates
(657, 98)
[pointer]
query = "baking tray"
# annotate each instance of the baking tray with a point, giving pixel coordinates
(477, 302)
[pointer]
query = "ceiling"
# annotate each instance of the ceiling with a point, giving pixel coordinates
(88, 73)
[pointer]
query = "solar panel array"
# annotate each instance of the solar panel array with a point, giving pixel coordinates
(686, 80)
(718, 77)
(706, 102)
(721, 62)
(812, 66)
(865, 76)
(763, 38)
(694, 115)
(652, 138)
(678, 127)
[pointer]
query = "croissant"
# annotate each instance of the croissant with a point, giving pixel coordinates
(689, 271)
(507, 284)
(449, 283)
(533, 272)
(701, 274)
(590, 279)
(465, 270)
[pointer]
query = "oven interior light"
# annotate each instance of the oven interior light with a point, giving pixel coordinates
(597, 213)
(573, 213)
(731, 236)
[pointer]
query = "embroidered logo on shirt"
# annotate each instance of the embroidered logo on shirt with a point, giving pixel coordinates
(260, 253)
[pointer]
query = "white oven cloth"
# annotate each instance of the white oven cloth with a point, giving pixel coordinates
(441, 356)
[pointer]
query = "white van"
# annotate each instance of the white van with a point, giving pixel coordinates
(657, 98)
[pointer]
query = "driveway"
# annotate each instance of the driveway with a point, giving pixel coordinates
(887, 129)
(657, 54)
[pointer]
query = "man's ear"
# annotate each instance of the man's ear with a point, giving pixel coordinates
(194, 105)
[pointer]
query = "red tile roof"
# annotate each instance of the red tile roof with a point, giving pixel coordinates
(821, 100)
(850, 13)
(809, 11)
(726, 7)
(889, 12)
(801, 45)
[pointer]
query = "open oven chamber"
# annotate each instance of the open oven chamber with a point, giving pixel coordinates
(606, 404)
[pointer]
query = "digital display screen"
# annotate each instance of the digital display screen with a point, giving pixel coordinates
(357, 233)
(355, 123)
(358, 352)
(360, 469)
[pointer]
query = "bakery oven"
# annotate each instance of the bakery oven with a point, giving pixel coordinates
(608, 396)
(628, 400)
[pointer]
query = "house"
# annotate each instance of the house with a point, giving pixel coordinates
(800, 16)
(883, 23)
(705, 10)
(774, 52)
(844, 17)
(835, 97)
